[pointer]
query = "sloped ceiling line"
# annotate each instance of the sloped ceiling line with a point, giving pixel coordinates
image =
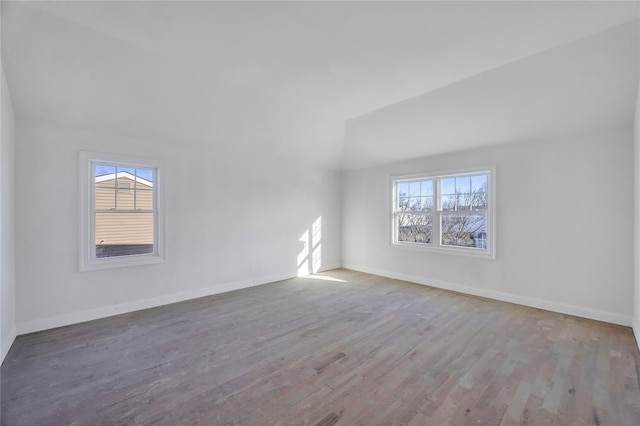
(297, 77)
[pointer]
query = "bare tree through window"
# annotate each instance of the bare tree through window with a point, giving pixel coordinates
(415, 212)
(464, 218)
(447, 211)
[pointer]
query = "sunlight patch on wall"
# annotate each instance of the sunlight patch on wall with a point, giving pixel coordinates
(316, 237)
(303, 256)
(310, 257)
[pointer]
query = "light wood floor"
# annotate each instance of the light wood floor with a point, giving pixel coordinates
(363, 351)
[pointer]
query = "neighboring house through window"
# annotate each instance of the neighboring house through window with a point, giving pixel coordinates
(121, 223)
(449, 211)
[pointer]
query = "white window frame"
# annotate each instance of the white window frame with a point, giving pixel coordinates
(435, 245)
(88, 259)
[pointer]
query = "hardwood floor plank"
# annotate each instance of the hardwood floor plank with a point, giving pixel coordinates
(365, 350)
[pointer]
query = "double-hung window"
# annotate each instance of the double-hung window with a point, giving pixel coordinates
(451, 212)
(121, 213)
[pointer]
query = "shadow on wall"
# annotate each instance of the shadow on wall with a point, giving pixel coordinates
(310, 258)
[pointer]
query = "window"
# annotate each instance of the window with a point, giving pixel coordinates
(121, 216)
(124, 186)
(450, 212)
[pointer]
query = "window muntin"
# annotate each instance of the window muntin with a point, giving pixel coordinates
(121, 215)
(463, 230)
(448, 211)
(414, 211)
(125, 210)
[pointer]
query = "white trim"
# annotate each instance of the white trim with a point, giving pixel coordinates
(458, 251)
(86, 185)
(563, 308)
(435, 176)
(121, 262)
(107, 311)
(7, 343)
(330, 267)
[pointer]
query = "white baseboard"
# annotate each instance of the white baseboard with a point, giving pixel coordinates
(563, 308)
(7, 342)
(107, 311)
(636, 330)
(330, 267)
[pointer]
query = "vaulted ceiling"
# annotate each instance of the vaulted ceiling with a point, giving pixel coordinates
(326, 83)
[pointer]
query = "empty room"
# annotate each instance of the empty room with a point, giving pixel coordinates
(320, 213)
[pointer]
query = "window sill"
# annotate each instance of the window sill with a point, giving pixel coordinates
(114, 263)
(457, 251)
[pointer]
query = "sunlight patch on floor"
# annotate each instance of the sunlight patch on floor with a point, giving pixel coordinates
(323, 278)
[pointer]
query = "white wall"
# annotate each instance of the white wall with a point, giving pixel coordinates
(581, 86)
(7, 235)
(564, 211)
(636, 255)
(233, 219)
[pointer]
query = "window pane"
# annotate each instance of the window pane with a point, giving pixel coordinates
(427, 203)
(403, 203)
(144, 196)
(124, 193)
(105, 187)
(479, 183)
(464, 193)
(448, 186)
(448, 202)
(105, 195)
(124, 234)
(479, 201)
(479, 196)
(414, 189)
(463, 184)
(403, 189)
(464, 230)
(131, 171)
(415, 228)
(426, 188)
(146, 174)
(415, 203)
(104, 169)
(464, 201)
